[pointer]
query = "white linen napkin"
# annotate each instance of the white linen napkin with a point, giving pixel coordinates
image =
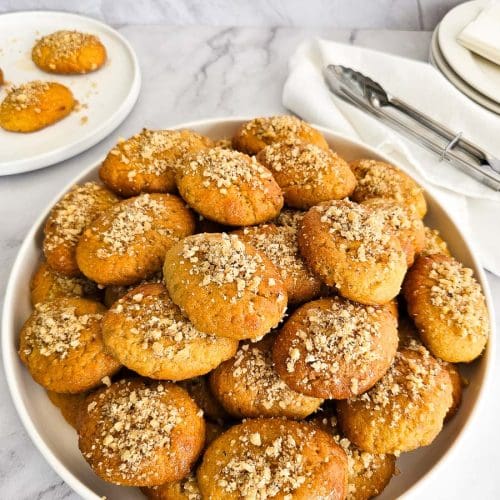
(475, 207)
(482, 35)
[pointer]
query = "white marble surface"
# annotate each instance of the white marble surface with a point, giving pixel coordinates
(366, 14)
(192, 73)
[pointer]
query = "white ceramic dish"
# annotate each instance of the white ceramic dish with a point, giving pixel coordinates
(479, 73)
(57, 441)
(106, 96)
(438, 61)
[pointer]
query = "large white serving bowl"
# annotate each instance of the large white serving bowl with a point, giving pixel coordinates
(57, 441)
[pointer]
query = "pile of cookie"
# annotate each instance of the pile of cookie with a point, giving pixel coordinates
(206, 342)
(34, 105)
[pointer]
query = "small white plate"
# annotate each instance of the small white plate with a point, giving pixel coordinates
(479, 73)
(57, 441)
(438, 61)
(105, 96)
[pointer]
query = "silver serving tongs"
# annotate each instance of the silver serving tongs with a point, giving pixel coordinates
(370, 96)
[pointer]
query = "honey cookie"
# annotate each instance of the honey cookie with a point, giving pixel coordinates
(404, 410)
(377, 179)
(279, 244)
(448, 308)
(248, 386)
(61, 345)
(35, 105)
(307, 174)
(141, 433)
(199, 389)
(68, 219)
(148, 334)
(70, 405)
(335, 349)
(128, 242)
(69, 53)
(146, 162)
(48, 284)
(185, 489)
(229, 187)
(256, 134)
(434, 243)
(273, 458)
(408, 227)
(351, 247)
(224, 286)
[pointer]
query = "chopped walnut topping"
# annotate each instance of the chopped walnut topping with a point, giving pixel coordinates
(457, 294)
(265, 470)
(280, 246)
(275, 128)
(310, 160)
(130, 223)
(290, 218)
(223, 261)
(158, 324)
(408, 377)
(377, 180)
(27, 95)
(70, 285)
(364, 228)
(73, 213)
(65, 44)
(135, 423)
(155, 151)
(56, 330)
(344, 331)
(433, 243)
(223, 168)
(253, 367)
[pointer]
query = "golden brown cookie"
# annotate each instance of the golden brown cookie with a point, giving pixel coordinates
(307, 174)
(68, 219)
(2, 81)
(224, 286)
(147, 333)
(351, 247)
(273, 458)
(185, 489)
(248, 386)
(69, 52)
(377, 179)
(141, 433)
(128, 242)
(48, 284)
(35, 105)
(199, 389)
(279, 244)
(69, 404)
(368, 473)
(404, 410)
(61, 345)
(434, 243)
(146, 162)
(405, 223)
(229, 187)
(448, 308)
(256, 134)
(334, 348)
(457, 384)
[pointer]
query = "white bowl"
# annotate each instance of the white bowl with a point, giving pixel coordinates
(57, 441)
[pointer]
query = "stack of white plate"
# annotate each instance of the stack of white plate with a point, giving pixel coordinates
(476, 77)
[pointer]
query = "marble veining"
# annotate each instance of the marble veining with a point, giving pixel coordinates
(191, 73)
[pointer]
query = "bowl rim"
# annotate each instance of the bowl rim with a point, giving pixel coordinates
(9, 304)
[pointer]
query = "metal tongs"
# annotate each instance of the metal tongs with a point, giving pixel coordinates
(370, 96)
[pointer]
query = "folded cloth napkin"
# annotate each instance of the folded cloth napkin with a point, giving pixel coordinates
(482, 35)
(475, 207)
